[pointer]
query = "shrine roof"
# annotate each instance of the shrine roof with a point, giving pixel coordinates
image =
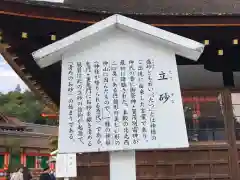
(182, 46)
(156, 7)
(31, 135)
(143, 7)
(35, 25)
(6, 121)
(15, 123)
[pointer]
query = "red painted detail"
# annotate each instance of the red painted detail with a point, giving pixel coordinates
(200, 99)
(49, 115)
(37, 154)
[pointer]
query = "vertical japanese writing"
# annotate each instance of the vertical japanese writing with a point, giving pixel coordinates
(166, 96)
(142, 100)
(150, 67)
(112, 104)
(115, 104)
(123, 88)
(132, 86)
(70, 101)
(79, 87)
(106, 108)
(89, 102)
(162, 76)
(98, 106)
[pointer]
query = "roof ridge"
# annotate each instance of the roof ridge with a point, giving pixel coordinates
(4, 117)
(43, 125)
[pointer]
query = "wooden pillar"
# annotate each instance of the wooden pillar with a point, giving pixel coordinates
(51, 165)
(6, 160)
(36, 162)
(23, 158)
(230, 131)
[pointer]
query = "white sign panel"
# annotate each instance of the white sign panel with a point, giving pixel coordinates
(66, 165)
(121, 99)
(121, 104)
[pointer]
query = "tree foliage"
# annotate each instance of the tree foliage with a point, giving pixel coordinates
(24, 106)
(53, 142)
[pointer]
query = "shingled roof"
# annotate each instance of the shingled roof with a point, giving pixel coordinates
(143, 7)
(159, 7)
(30, 135)
(10, 122)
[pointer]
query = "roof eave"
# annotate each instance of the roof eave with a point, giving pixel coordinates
(182, 46)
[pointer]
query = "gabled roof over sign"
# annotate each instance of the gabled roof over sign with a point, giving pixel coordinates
(181, 46)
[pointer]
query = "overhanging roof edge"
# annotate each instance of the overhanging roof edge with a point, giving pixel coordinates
(53, 51)
(182, 46)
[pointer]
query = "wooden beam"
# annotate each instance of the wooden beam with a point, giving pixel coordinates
(22, 68)
(26, 78)
(14, 58)
(230, 131)
(3, 47)
(33, 82)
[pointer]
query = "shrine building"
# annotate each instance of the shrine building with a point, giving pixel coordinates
(24, 144)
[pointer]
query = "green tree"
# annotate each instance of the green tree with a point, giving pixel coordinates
(24, 106)
(3, 99)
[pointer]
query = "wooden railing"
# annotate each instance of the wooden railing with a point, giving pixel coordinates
(208, 134)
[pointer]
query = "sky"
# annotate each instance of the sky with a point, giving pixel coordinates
(8, 78)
